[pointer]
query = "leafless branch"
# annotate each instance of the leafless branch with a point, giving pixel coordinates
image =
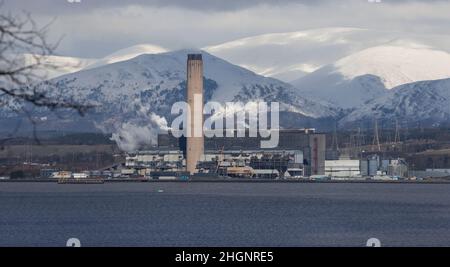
(23, 50)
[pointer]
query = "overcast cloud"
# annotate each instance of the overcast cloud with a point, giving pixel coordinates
(95, 28)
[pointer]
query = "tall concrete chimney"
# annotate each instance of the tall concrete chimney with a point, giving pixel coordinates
(195, 141)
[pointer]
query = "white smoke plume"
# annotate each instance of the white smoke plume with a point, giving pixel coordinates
(140, 131)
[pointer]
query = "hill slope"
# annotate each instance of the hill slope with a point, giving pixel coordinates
(424, 102)
(368, 74)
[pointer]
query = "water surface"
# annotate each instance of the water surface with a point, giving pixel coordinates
(224, 214)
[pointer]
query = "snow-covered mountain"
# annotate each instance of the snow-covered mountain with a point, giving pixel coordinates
(134, 97)
(154, 74)
(127, 53)
(289, 56)
(370, 73)
(424, 102)
(54, 66)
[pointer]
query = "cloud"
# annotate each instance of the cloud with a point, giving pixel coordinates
(70, 6)
(66, 6)
(98, 28)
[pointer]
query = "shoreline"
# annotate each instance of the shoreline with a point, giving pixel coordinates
(240, 181)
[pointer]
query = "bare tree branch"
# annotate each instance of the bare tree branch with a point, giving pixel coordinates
(23, 50)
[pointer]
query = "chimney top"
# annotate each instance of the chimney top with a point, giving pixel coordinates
(194, 56)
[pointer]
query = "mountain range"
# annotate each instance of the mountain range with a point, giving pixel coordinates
(371, 73)
(290, 55)
(133, 98)
(341, 74)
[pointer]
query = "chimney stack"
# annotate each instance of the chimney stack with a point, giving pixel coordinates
(195, 141)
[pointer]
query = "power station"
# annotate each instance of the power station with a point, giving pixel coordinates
(300, 153)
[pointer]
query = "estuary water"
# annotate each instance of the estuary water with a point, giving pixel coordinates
(224, 214)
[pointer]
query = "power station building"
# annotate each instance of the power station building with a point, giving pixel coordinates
(300, 153)
(306, 142)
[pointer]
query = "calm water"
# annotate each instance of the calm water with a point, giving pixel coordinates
(224, 214)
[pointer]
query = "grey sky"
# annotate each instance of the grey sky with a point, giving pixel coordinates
(95, 28)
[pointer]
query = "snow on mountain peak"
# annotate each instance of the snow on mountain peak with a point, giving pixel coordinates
(134, 51)
(397, 65)
(128, 53)
(368, 74)
(287, 56)
(60, 65)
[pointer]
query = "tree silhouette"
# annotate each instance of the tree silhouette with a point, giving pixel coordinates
(23, 52)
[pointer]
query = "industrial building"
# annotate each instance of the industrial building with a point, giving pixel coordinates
(300, 153)
(271, 164)
(304, 142)
(344, 168)
(373, 167)
(155, 163)
(376, 166)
